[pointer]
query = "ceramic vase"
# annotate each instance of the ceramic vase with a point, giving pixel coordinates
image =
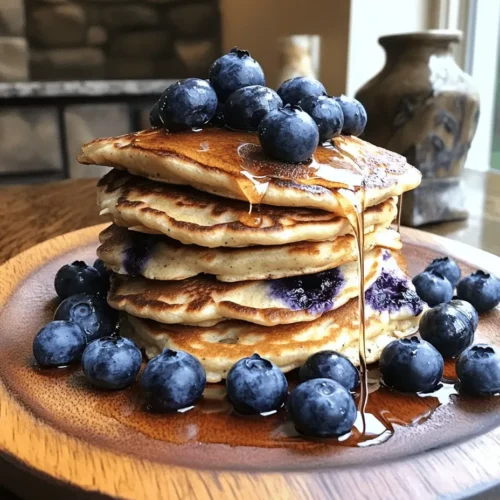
(425, 107)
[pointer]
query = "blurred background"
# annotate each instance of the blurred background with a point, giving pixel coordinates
(72, 70)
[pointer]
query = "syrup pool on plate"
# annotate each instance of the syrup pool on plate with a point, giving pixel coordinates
(212, 420)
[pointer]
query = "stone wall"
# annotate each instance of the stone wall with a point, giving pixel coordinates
(13, 45)
(43, 124)
(31, 148)
(120, 39)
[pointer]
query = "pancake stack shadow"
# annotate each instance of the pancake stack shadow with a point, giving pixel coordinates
(196, 267)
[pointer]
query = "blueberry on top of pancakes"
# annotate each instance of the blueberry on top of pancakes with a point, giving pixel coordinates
(327, 114)
(292, 91)
(289, 134)
(245, 107)
(355, 117)
(234, 71)
(187, 104)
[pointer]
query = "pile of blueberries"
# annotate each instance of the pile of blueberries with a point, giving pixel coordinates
(448, 331)
(290, 122)
(85, 329)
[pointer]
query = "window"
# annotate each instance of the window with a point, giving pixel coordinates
(495, 153)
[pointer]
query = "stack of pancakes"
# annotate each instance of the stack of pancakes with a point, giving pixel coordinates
(194, 270)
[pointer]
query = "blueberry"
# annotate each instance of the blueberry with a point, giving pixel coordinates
(102, 269)
(255, 385)
(354, 115)
(288, 134)
(218, 118)
(91, 312)
(321, 407)
(468, 310)
(447, 267)
(245, 107)
(154, 115)
(481, 289)
(478, 369)
(234, 71)
(105, 273)
(332, 365)
(59, 343)
(433, 288)
(187, 104)
(78, 278)
(172, 380)
(327, 114)
(111, 362)
(391, 293)
(411, 365)
(294, 90)
(447, 328)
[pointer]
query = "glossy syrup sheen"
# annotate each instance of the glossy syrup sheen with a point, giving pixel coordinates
(240, 155)
(212, 420)
(400, 211)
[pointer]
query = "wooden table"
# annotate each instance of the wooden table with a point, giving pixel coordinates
(482, 228)
(32, 214)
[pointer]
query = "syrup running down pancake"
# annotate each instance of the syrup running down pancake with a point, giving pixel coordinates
(233, 165)
(194, 217)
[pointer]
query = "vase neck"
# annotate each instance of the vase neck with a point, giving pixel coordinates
(419, 46)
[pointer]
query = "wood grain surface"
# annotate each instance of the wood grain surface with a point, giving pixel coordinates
(42, 453)
(32, 214)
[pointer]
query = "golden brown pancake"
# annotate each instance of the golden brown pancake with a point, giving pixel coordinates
(198, 218)
(205, 301)
(393, 310)
(160, 258)
(233, 165)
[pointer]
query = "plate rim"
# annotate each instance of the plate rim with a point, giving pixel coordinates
(474, 463)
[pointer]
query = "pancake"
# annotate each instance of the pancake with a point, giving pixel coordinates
(232, 164)
(161, 258)
(203, 300)
(196, 218)
(392, 311)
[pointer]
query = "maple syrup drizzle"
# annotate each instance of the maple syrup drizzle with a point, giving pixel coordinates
(256, 174)
(212, 420)
(250, 219)
(400, 210)
(360, 240)
(353, 204)
(254, 187)
(330, 170)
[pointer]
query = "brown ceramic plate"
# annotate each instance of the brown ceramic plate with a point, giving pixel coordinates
(62, 433)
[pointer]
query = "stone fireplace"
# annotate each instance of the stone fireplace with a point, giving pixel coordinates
(71, 70)
(109, 39)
